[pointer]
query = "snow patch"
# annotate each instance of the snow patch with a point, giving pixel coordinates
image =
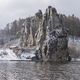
(8, 54)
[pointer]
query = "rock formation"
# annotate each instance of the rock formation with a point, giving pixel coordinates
(47, 33)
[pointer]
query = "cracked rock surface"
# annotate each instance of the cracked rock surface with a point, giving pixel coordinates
(47, 33)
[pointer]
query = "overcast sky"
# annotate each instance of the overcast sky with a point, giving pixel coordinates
(13, 9)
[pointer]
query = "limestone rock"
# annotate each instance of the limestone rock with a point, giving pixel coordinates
(47, 33)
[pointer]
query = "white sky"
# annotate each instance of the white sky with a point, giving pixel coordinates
(13, 9)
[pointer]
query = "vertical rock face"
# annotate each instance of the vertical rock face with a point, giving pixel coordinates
(47, 33)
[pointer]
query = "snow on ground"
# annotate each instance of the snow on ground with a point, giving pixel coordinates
(8, 54)
(27, 56)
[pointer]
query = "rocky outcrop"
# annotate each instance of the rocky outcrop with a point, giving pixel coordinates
(47, 33)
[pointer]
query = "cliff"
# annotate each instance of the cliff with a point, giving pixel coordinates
(46, 32)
